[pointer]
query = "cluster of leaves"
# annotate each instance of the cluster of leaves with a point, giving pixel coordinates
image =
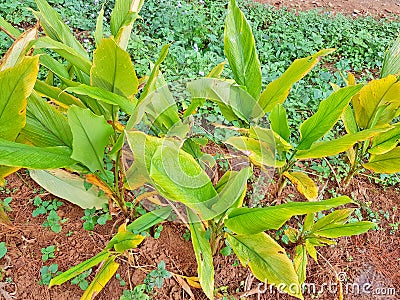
(49, 208)
(93, 217)
(48, 253)
(138, 293)
(47, 273)
(155, 278)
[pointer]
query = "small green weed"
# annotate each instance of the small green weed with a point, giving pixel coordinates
(81, 281)
(47, 273)
(223, 163)
(6, 190)
(93, 217)
(186, 235)
(119, 278)
(156, 277)
(3, 249)
(226, 251)
(138, 293)
(48, 206)
(157, 231)
(5, 204)
(53, 221)
(45, 206)
(236, 263)
(48, 253)
(394, 227)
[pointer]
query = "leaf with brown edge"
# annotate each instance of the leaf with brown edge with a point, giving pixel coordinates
(93, 179)
(18, 49)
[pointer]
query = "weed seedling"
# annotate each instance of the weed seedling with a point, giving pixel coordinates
(48, 253)
(44, 206)
(227, 250)
(186, 235)
(138, 293)
(93, 217)
(47, 273)
(5, 204)
(156, 277)
(53, 221)
(3, 249)
(157, 231)
(119, 278)
(236, 263)
(81, 281)
(48, 206)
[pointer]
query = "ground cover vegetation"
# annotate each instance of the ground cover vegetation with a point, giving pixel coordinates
(92, 122)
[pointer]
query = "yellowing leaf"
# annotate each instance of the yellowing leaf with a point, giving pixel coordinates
(377, 103)
(386, 141)
(5, 171)
(260, 153)
(124, 239)
(311, 250)
(300, 263)
(112, 70)
(194, 282)
(303, 183)
(388, 162)
(101, 279)
(267, 260)
(122, 227)
(127, 240)
(16, 84)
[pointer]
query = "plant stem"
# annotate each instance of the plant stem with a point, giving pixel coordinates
(120, 192)
(282, 180)
(215, 236)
